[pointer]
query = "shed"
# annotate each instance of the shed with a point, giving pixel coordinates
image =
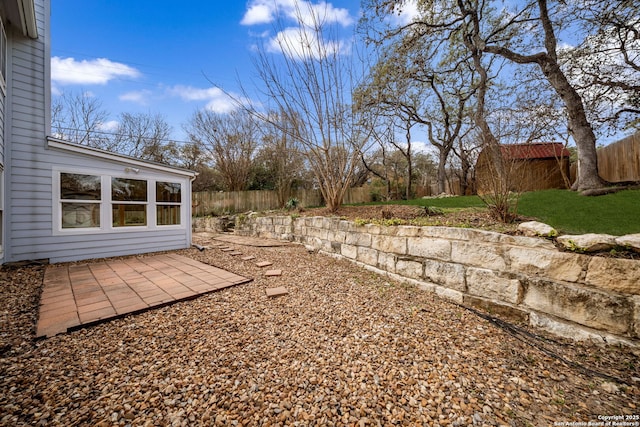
(529, 167)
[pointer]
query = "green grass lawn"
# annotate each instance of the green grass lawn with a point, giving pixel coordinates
(566, 211)
(570, 212)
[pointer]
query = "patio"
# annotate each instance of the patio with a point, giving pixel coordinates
(77, 295)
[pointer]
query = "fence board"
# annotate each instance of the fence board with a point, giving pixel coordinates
(219, 203)
(620, 161)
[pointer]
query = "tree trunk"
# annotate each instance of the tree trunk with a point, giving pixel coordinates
(443, 153)
(587, 168)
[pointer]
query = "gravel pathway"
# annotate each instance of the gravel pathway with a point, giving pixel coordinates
(344, 346)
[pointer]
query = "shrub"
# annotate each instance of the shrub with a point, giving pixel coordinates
(292, 203)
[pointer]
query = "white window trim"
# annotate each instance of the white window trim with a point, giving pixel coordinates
(106, 224)
(147, 203)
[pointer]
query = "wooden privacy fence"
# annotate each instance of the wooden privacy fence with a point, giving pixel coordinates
(620, 161)
(221, 203)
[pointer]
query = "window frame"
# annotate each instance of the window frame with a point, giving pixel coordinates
(169, 204)
(106, 203)
(61, 202)
(124, 203)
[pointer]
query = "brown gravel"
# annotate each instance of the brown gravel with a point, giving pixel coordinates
(344, 347)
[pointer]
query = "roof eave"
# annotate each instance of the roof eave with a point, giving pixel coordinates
(28, 18)
(106, 155)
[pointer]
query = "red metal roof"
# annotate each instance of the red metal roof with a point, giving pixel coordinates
(534, 150)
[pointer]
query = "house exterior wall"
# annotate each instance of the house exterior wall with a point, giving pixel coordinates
(2, 110)
(48, 240)
(30, 229)
(27, 192)
(3, 95)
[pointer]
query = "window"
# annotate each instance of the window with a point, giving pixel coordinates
(131, 197)
(168, 200)
(80, 197)
(88, 204)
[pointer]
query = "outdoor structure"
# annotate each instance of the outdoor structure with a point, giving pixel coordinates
(620, 161)
(62, 201)
(532, 166)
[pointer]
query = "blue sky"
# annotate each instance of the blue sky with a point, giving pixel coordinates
(165, 56)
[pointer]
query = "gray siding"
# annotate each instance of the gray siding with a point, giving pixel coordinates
(2, 102)
(30, 167)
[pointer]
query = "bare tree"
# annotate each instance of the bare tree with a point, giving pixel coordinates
(79, 118)
(231, 141)
(193, 156)
(145, 136)
(281, 153)
(463, 163)
(312, 77)
(376, 161)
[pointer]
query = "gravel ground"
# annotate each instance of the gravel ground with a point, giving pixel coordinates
(343, 347)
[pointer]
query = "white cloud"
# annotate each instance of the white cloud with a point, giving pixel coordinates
(139, 97)
(216, 100)
(405, 12)
(303, 39)
(423, 147)
(69, 71)
(303, 12)
(110, 126)
(258, 14)
(299, 43)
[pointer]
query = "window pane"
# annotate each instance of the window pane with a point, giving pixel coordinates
(128, 190)
(167, 192)
(81, 187)
(168, 215)
(80, 215)
(129, 215)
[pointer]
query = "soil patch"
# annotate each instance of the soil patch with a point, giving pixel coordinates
(416, 215)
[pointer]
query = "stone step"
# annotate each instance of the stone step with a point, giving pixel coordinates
(276, 292)
(273, 273)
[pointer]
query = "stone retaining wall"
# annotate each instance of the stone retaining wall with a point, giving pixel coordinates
(573, 295)
(216, 224)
